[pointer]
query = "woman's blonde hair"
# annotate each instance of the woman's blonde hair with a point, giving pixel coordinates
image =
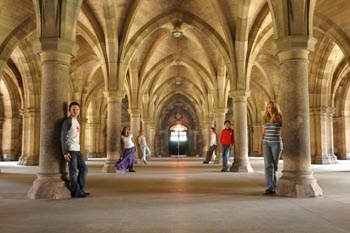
(276, 116)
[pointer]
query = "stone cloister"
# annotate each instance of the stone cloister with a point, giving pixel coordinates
(155, 64)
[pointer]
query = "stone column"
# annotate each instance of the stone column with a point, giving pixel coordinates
(114, 121)
(83, 123)
(92, 132)
(256, 135)
(134, 122)
(297, 178)
(151, 138)
(101, 144)
(135, 119)
(322, 135)
(31, 137)
(145, 127)
(205, 135)
(51, 181)
(341, 142)
(195, 143)
(241, 161)
(220, 117)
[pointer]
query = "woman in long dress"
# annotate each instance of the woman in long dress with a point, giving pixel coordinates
(128, 145)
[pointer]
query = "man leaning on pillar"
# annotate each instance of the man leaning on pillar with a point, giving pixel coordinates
(70, 141)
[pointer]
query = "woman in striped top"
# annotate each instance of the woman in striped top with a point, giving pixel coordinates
(271, 144)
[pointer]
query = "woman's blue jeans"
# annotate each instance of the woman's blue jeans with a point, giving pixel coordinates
(272, 154)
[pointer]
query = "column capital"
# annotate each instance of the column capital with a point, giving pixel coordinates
(134, 112)
(295, 47)
(30, 112)
(239, 95)
(145, 121)
(113, 96)
(323, 110)
(220, 111)
(56, 44)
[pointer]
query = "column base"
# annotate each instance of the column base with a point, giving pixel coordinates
(49, 186)
(28, 160)
(241, 166)
(299, 184)
(326, 159)
(109, 166)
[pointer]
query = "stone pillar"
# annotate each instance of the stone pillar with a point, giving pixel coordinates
(322, 135)
(195, 143)
(241, 161)
(205, 135)
(297, 178)
(51, 183)
(101, 144)
(256, 135)
(83, 123)
(114, 121)
(342, 136)
(151, 137)
(220, 117)
(31, 137)
(135, 120)
(92, 139)
(145, 127)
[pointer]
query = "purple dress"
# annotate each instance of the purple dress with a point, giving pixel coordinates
(127, 160)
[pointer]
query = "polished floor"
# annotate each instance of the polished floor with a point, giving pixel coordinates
(176, 196)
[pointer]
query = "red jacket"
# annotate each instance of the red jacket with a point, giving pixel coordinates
(227, 136)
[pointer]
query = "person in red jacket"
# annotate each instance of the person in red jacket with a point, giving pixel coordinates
(226, 140)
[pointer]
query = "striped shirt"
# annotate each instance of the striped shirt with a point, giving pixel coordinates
(272, 132)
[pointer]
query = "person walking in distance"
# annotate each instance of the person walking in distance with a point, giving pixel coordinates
(143, 146)
(213, 146)
(271, 144)
(70, 142)
(227, 141)
(128, 145)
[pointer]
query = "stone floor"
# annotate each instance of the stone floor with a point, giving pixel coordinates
(176, 196)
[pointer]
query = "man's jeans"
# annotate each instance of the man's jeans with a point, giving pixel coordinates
(77, 173)
(272, 154)
(226, 150)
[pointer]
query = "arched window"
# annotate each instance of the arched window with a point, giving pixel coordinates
(178, 133)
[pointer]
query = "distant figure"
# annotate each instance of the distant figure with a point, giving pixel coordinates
(143, 146)
(70, 142)
(226, 140)
(212, 147)
(272, 145)
(128, 145)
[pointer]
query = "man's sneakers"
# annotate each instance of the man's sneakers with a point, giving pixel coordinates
(82, 195)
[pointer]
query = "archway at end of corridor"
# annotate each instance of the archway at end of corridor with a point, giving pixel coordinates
(178, 140)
